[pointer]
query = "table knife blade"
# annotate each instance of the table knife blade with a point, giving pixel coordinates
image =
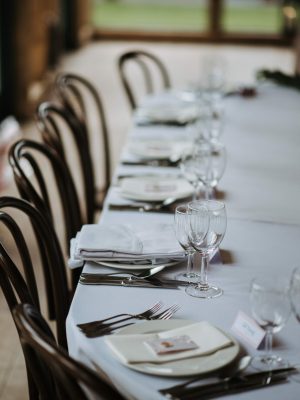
(113, 281)
(157, 281)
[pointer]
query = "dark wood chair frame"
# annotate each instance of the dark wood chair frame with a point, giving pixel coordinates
(71, 89)
(143, 60)
(48, 114)
(39, 196)
(54, 273)
(68, 375)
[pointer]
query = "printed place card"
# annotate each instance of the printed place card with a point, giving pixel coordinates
(171, 345)
(248, 329)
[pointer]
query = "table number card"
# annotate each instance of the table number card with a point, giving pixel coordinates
(248, 330)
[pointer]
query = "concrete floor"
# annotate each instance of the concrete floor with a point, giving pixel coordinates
(97, 62)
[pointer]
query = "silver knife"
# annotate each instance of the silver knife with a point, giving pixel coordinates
(233, 385)
(155, 281)
(127, 283)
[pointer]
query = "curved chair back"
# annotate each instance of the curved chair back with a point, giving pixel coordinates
(147, 63)
(19, 289)
(71, 377)
(78, 95)
(50, 115)
(39, 193)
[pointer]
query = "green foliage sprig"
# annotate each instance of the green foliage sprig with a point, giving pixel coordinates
(279, 77)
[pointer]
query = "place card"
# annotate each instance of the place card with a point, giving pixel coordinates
(248, 329)
(171, 345)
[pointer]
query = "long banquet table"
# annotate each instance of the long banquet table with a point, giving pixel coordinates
(261, 189)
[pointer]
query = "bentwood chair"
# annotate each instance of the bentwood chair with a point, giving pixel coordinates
(34, 185)
(24, 289)
(141, 65)
(63, 132)
(81, 99)
(56, 374)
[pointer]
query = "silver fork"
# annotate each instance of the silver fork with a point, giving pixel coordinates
(144, 315)
(101, 331)
(166, 314)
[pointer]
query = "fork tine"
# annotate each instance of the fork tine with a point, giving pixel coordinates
(169, 313)
(102, 324)
(165, 312)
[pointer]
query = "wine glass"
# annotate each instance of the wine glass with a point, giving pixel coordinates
(210, 158)
(214, 77)
(216, 231)
(188, 166)
(295, 292)
(181, 222)
(295, 302)
(270, 305)
(214, 120)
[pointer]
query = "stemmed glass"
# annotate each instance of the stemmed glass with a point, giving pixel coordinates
(181, 223)
(189, 168)
(216, 231)
(295, 292)
(295, 302)
(270, 305)
(210, 157)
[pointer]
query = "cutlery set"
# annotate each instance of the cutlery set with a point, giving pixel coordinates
(132, 281)
(154, 163)
(166, 206)
(232, 385)
(103, 327)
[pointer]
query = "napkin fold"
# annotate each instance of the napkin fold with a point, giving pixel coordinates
(179, 113)
(121, 243)
(131, 349)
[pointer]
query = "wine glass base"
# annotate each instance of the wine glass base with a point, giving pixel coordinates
(203, 292)
(268, 362)
(296, 376)
(187, 277)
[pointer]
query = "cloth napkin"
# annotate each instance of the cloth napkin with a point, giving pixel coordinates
(135, 349)
(180, 113)
(124, 243)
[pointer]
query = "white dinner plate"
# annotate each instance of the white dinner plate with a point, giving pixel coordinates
(132, 267)
(185, 367)
(155, 188)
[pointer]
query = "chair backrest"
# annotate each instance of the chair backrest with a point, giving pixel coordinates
(50, 117)
(78, 95)
(36, 188)
(19, 289)
(72, 379)
(149, 64)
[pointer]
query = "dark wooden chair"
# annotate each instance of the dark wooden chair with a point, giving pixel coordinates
(36, 190)
(81, 99)
(60, 129)
(56, 374)
(20, 287)
(151, 69)
(52, 263)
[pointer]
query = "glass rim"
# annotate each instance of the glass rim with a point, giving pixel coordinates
(205, 203)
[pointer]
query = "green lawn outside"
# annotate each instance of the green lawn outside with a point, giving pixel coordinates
(262, 20)
(149, 17)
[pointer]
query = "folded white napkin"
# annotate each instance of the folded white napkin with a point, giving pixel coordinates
(167, 112)
(121, 243)
(135, 349)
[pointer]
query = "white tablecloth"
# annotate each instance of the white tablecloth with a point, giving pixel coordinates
(261, 189)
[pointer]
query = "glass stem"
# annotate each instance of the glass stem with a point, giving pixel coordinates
(189, 268)
(268, 344)
(207, 192)
(203, 270)
(195, 192)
